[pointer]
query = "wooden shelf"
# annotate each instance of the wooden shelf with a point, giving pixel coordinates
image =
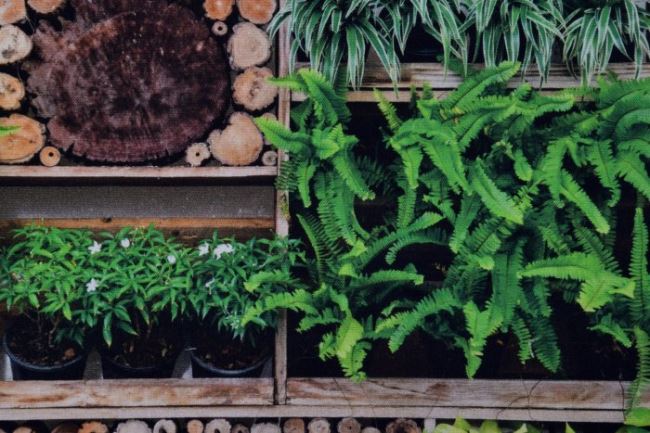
(84, 172)
(441, 81)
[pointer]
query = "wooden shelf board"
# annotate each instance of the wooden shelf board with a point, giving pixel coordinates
(442, 82)
(36, 171)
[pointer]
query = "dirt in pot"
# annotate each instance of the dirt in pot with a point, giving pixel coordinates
(224, 352)
(34, 343)
(160, 347)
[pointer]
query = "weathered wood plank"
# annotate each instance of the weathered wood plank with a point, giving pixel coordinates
(84, 172)
(134, 393)
(513, 394)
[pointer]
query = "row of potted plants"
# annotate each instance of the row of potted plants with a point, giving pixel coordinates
(139, 298)
(520, 205)
(592, 32)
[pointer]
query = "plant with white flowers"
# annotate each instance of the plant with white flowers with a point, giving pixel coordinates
(231, 277)
(47, 276)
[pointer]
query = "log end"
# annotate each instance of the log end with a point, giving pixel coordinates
(252, 89)
(257, 11)
(51, 156)
(240, 143)
(196, 155)
(45, 6)
(218, 9)
(219, 28)
(12, 11)
(12, 92)
(21, 145)
(248, 46)
(15, 45)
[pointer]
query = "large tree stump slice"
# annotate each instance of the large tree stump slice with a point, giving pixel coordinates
(240, 143)
(257, 11)
(137, 86)
(21, 145)
(12, 11)
(248, 46)
(15, 45)
(12, 91)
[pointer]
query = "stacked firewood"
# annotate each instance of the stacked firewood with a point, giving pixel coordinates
(134, 81)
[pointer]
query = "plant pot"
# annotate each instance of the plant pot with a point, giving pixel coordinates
(112, 369)
(203, 343)
(25, 370)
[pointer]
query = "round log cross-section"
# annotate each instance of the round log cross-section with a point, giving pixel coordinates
(129, 81)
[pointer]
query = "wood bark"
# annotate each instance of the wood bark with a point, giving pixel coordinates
(15, 45)
(218, 9)
(164, 426)
(12, 11)
(129, 80)
(218, 425)
(240, 143)
(12, 92)
(402, 425)
(219, 28)
(21, 145)
(252, 89)
(45, 6)
(195, 426)
(49, 156)
(293, 425)
(348, 425)
(248, 46)
(133, 426)
(197, 154)
(93, 427)
(257, 11)
(319, 425)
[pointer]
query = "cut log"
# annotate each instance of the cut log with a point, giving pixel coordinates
(348, 425)
(265, 427)
(133, 426)
(219, 28)
(218, 9)
(164, 426)
(293, 425)
(24, 429)
(21, 145)
(402, 425)
(15, 45)
(257, 11)
(370, 430)
(240, 428)
(240, 143)
(197, 154)
(131, 87)
(66, 427)
(12, 11)
(218, 425)
(248, 46)
(319, 425)
(12, 91)
(252, 89)
(45, 6)
(270, 158)
(195, 426)
(93, 427)
(50, 157)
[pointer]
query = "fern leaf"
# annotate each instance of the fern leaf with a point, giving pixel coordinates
(480, 325)
(406, 207)
(545, 345)
(387, 277)
(469, 208)
(522, 167)
(352, 176)
(639, 268)
(305, 171)
(281, 137)
(388, 110)
(642, 380)
(353, 362)
(349, 333)
(552, 167)
(524, 339)
(475, 85)
(298, 300)
(592, 245)
(330, 108)
(633, 170)
(506, 291)
(575, 194)
(601, 158)
(577, 266)
(435, 237)
(599, 290)
(607, 325)
(494, 199)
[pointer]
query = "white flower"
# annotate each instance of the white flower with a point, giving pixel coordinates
(171, 259)
(209, 283)
(204, 249)
(95, 247)
(223, 249)
(125, 243)
(92, 286)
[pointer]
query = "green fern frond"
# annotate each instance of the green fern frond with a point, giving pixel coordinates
(639, 268)
(476, 84)
(575, 194)
(642, 381)
(506, 290)
(298, 300)
(592, 245)
(406, 206)
(601, 157)
(607, 325)
(577, 266)
(633, 171)
(350, 173)
(387, 277)
(524, 339)
(545, 344)
(282, 138)
(388, 110)
(494, 199)
(469, 209)
(434, 237)
(329, 107)
(480, 325)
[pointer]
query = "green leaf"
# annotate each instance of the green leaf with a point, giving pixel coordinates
(498, 202)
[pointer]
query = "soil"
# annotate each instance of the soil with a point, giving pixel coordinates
(31, 345)
(161, 348)
(227, 353)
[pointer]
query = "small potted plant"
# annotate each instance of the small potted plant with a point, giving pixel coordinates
(142, 282)
(46, 278)
(230, 277)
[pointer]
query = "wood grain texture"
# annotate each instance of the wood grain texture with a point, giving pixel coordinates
(135, 393)
(513, 394)
(81, 172)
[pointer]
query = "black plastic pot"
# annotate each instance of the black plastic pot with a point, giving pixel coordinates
(112, 369)
(23, 370)
(201, 368)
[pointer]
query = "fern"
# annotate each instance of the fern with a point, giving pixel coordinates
(494, 199)
(639, 268)
(642, 381)
(570, 189)
(632, 170)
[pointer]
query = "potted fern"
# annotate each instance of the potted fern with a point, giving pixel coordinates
(141, 284)
(230, 277)
(46, 278)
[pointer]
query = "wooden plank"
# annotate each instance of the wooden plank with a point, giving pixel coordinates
(522, 394)
(382, 411)
(189, 230)
(84, 172)
(135, 393)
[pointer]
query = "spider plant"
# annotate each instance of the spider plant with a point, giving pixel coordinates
(441, 19)
(594, 28)
(329, 31)
(504, 28)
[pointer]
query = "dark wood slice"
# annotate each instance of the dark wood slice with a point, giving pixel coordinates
(135, 87)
